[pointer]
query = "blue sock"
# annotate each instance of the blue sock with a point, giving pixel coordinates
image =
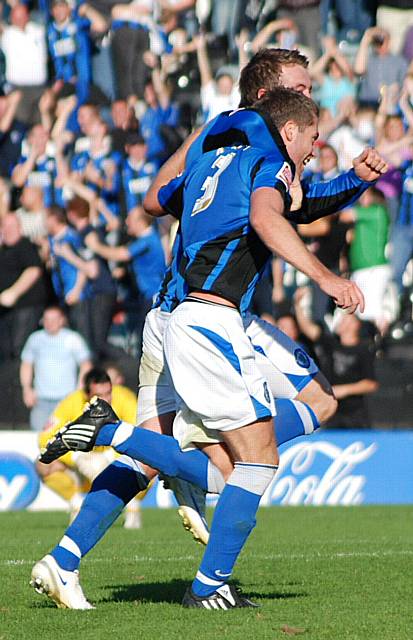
(110, 492)
(156, 450)
(233, 521)
(293, 419)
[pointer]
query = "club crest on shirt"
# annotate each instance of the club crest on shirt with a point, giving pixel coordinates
(285, 175)
(302, 358)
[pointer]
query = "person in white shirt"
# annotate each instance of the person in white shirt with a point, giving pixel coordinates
(23, 43)
(53, 363)
(217, 95)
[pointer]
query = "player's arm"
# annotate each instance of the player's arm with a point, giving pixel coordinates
(267, 219)
(323, 198)
(169, 170)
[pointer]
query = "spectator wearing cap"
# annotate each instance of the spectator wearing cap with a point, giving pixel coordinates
(147, 259)
(377, 66)
(217, 95)
(23, 43)
(137, 171)
(69, 40)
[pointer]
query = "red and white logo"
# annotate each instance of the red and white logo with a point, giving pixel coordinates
(285, 175)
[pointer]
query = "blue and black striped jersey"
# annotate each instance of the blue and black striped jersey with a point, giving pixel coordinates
(249, 126)
(221, 253)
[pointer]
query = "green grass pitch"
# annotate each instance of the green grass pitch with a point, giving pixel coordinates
(318, 573)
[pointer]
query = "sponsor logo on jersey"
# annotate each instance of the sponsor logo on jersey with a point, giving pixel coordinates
(284, 174)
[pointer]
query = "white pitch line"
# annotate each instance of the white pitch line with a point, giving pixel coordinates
(278, 556)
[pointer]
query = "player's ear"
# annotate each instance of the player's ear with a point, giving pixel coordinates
(291, 131)
(261, 93)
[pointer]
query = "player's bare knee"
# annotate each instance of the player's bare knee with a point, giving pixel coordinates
(326, 407)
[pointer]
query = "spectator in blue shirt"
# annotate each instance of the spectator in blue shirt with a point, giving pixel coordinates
(147, 259)
(100, 304)
(37, 166)
(99, 167)
(69, 41)
(137, 171)
(160, 114)
(69, 283)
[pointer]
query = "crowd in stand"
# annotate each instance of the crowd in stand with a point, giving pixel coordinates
(96, 96)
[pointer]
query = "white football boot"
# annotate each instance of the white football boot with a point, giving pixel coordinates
(61, 586)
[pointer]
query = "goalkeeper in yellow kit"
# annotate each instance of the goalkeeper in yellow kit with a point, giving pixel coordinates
(72, 475)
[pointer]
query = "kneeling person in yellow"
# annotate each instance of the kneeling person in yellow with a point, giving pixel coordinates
(72, 475)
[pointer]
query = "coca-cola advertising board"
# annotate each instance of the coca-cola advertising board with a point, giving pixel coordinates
(326, 468)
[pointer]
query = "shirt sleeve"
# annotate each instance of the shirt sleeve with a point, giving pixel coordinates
(137, 248)
(28, 353)
(324, 198)
(171, 195)
(270, 172)
(80, 349)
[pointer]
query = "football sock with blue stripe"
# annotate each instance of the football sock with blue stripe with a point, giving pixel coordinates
(110, 492)
(233, 521)
(294, 418)
(158, 451)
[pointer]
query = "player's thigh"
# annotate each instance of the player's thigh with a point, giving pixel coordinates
(219, 456)
(213, 367)
(253, 443)
(284, 363)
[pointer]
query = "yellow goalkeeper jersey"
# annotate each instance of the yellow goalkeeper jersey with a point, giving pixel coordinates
(124, 402)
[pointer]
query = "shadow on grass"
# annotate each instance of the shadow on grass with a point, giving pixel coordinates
(173, 591)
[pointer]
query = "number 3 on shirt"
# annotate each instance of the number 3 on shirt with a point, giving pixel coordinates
(210, 185)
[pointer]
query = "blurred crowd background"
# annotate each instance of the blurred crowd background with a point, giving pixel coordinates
(95, 96)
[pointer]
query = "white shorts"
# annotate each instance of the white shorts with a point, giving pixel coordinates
(156, 395)
(213, 367)
(286, 366)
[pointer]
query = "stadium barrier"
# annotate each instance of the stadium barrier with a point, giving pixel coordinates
(327, 468)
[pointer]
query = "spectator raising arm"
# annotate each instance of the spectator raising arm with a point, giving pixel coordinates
(98, 24)
(13, 101)
(117, 254)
